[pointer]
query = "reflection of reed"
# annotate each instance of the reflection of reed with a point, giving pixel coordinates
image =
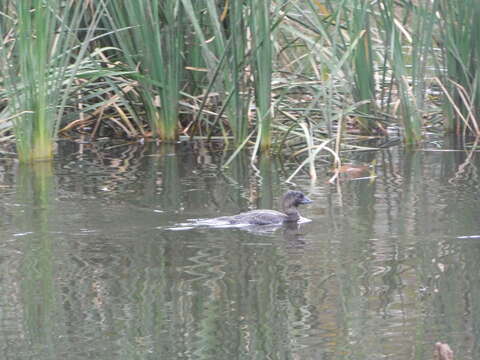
(208, 299)
(98, 168)
(266, 183)
(35, 191)
(402, 261)
(170, 179)
(366, 282)
(213, 298)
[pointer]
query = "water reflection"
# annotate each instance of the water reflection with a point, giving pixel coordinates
(384, 270)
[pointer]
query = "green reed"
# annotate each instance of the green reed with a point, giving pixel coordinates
(39, 59)
(217, 59)
(321, 58)
(459, 38)
(356, 18)
(149, 34)
(221, 33)
(261, 28)
(394, 36)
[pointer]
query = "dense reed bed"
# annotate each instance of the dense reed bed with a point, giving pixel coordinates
(300, 77)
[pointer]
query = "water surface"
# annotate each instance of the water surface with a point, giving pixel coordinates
(90, 269)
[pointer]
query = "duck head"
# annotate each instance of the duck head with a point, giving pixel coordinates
(291, 200)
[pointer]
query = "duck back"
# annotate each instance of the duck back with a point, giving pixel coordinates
(258, 217)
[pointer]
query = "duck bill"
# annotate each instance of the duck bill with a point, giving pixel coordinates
(306, 200)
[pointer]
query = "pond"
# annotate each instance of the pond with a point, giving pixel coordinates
(95, 263)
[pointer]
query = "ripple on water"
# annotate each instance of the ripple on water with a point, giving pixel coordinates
(384, 270)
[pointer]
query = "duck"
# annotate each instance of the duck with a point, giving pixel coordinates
(291, 200)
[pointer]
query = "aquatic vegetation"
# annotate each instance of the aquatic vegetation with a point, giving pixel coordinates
(263, 67)
(150, 34)
(307, 78)
(459, 41)
(42, 52)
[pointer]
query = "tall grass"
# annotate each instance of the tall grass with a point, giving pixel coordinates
(222, 34)
(39, 59)
(395, 37)
(322, 66)
(260, 26)
(356, 17)
(149, 34)
(422, 29)
(459, 39)
(236, 42)
(330, 61)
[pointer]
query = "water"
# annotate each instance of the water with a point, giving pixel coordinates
(90, 270)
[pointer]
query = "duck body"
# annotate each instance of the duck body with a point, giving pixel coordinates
(256, 217)
(291, 200)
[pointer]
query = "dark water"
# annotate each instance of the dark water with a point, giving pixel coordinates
(88, 269)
